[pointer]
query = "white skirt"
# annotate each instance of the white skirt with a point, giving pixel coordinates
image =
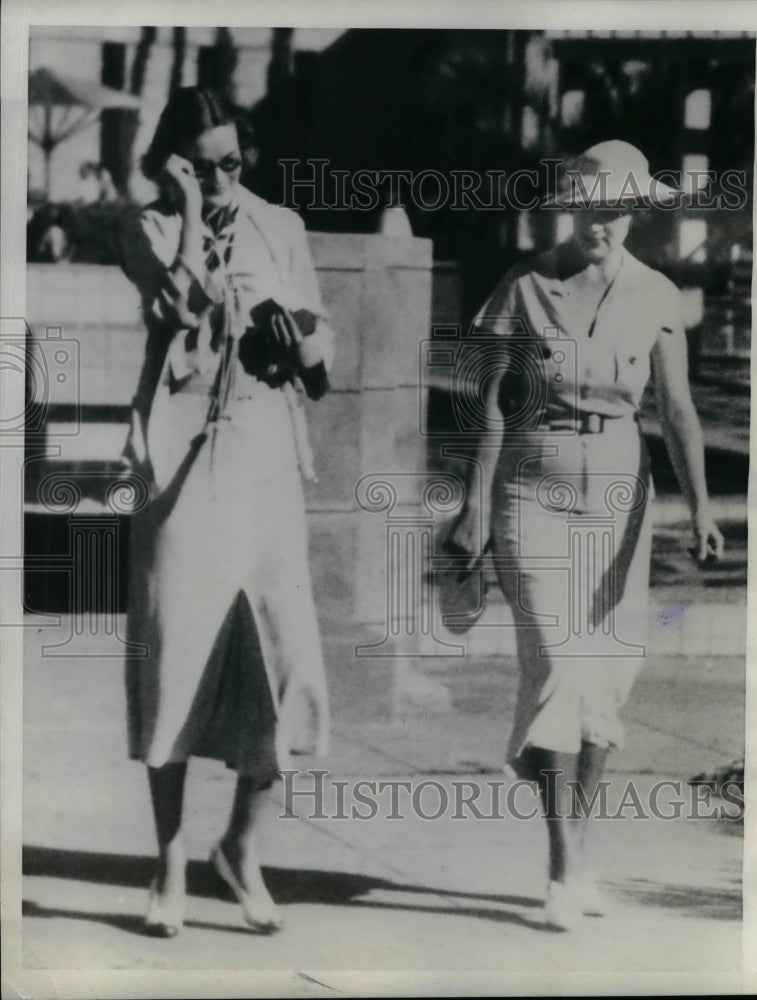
(571, 532)
(220, 597)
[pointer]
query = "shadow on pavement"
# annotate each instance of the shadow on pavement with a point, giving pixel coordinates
(701, 902)
(128, 922)
(497, 916)
(287, 885)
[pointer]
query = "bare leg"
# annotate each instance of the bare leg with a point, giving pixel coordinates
(553, 770)
(238, 842)
(167, 791)
(165, 912)
(555, 774)
(240, 853)
(591, 766)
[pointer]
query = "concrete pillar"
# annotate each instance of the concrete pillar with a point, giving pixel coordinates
(379, 292)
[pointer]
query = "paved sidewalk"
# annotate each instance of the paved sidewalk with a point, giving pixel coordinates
(410, 894)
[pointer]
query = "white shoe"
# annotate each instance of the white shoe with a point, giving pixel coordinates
(563, 906)
(594, 902)
(165, 915)
(260, 912)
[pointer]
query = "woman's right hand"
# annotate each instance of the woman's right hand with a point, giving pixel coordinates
(180, 177)
(468, 533)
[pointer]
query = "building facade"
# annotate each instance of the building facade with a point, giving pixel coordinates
(148, 62)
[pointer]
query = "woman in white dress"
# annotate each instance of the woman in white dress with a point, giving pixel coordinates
(220, 602)
(563, 492)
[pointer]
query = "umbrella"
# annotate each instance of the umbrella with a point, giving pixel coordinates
(69, 104)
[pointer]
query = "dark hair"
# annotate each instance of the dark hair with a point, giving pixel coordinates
(190, 112)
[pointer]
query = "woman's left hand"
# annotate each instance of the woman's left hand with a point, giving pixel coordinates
(175, 306)
(303, 350)
(709, 541)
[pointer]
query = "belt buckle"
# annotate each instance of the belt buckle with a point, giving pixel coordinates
(593, 423)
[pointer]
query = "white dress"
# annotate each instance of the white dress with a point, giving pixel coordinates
(571, 524)
(220, 599)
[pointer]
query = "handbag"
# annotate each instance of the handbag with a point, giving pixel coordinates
(262, 357)
(461, 589)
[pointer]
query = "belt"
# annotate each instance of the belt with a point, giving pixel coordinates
(194, 387)
(582, 423)
(202, 385)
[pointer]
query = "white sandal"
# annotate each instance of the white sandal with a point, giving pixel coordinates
(261, 914)
(165, 917)
(563, 906)
(594, 902)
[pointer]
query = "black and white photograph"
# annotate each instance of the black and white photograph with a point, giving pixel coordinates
(376, 455)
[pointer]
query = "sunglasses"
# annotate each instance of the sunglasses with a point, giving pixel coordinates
(206, 168)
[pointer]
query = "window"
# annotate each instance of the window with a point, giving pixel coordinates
(525, 236)
(572, 107)
(695, 166)
(692, 240)
(697, 110)
(529, 127)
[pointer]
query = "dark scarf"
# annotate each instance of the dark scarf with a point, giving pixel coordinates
(218, 247)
